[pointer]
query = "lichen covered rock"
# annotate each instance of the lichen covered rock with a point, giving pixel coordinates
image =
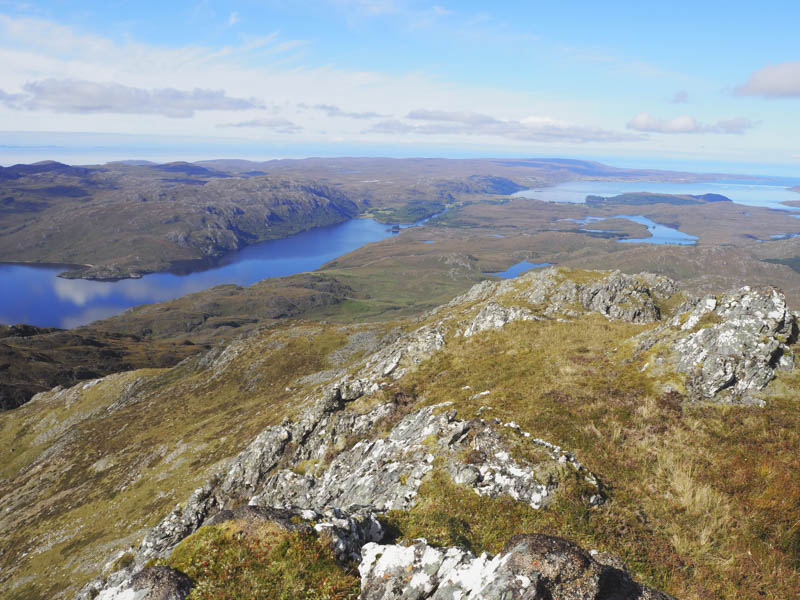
(729, 347)
(532, 566)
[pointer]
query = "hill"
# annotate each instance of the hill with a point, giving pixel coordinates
(533, 419)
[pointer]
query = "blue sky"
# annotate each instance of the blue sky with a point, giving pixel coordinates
(640, 83)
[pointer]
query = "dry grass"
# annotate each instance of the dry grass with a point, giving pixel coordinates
(704, 500)
(85, 482)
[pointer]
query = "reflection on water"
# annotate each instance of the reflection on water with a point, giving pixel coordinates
(34, 295)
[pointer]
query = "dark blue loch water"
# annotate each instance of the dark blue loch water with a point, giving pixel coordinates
(659, 234)
(519, 269)
(34, 295)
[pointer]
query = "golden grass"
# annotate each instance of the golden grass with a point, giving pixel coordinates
(704, 500)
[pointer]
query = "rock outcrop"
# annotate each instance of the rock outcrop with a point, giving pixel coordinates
(530, 566)
(729, 347)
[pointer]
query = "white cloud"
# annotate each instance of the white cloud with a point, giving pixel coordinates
(645, 122)
(334, 111)
(531, 129)
(269, 74)
(278, 124)
(87, 97)
(80, 292)
(773, 81)
(233, 19)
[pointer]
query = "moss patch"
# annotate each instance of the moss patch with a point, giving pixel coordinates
(237, 560)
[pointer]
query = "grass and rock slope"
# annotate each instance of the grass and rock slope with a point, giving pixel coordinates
(533, 420)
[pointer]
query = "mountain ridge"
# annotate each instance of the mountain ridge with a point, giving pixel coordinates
(529, 367)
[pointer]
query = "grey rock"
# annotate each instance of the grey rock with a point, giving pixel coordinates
(746, 339)
(387, 472)
(495, 316)
(616, 296)
(625, 297)
(532, 566)
(181, 522)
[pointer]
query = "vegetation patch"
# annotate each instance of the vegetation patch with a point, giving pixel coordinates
(241, 559)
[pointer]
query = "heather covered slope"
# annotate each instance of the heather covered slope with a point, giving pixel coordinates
(552, 404)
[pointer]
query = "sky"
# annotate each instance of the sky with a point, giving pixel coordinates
(672, 84)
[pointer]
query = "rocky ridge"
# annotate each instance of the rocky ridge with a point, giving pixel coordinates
(340, 469)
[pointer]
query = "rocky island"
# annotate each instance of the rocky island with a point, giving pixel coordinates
(645, 198)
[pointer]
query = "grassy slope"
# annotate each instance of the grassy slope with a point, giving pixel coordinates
(704, 500)
(86, 479)
(244, 560)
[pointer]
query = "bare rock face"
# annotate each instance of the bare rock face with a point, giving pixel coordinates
(386, 473)
(531, 566)
(616, 296)
(730, 347)
(626, 298)
(495, 316)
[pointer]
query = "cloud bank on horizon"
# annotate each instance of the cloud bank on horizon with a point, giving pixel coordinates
(367, 73)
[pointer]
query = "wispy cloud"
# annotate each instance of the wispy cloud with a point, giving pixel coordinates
(333, 112)
(277, 124)
(87, 97)
(532, 129)
(371, 7)
(646, 122)
(233, 18)
(402, 12)
(773, 81)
